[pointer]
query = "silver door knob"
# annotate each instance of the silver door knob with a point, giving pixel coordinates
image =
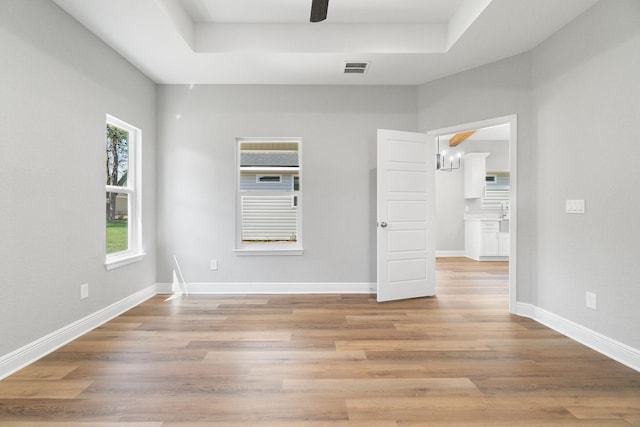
(383, 224)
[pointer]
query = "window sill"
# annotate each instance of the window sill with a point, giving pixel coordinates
(118, 261)
(268, 252)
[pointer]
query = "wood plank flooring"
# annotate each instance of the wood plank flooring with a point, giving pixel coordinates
(326, 360)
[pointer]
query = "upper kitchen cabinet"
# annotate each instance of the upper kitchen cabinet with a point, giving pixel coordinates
(475, 171)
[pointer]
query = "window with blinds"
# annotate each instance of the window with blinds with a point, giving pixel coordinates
(497, 191)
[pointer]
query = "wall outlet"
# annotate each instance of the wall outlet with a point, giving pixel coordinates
(592, 301)
(213, 265)
(84, 291)
(574, 206)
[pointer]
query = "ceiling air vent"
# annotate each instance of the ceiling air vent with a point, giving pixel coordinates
(356, 67)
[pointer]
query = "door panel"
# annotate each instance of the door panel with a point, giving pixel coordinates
(400, 241)
(407, 151)
(406, 215)
(407, 211)
(407, 270)
(407, 182)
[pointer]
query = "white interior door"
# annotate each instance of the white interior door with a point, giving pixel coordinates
(406, 215)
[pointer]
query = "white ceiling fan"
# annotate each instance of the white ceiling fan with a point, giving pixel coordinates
(319, 10)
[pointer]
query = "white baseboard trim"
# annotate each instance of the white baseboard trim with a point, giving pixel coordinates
(450, 254)
(609, 347)
(229, 288)
(18, 359)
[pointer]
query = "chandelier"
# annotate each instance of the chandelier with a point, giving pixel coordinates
(447, 162)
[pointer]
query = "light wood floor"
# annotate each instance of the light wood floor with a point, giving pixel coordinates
(326, 360)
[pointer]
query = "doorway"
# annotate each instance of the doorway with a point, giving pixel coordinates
(493, 206)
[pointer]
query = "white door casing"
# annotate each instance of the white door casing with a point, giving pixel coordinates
(512, 121)
(406, 215)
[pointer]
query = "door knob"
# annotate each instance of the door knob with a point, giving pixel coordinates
(383, 224)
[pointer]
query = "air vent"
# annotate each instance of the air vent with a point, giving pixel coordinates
(356, 67)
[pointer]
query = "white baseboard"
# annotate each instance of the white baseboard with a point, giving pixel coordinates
(609, 347)
(450, 254)
(215, 288)
(18, 359)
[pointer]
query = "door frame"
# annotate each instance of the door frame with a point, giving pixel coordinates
(512, 121)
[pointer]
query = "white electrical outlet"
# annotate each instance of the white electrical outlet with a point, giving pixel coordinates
(592, 301)
(84, 291)
(574, 206)
(214, 264)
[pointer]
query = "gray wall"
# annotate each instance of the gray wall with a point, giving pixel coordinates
(196, 170)
(450, 205)
(57, 83)
(498, 160)
(586, 98)
(495, 90)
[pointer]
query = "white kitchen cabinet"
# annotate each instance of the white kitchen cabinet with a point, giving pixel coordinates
(490, 245)
(484, 241)
(475, 171)
(503, 244)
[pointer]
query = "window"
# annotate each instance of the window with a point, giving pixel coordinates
(122, 201)
(497, 191)
(269, 198)
(275, 179)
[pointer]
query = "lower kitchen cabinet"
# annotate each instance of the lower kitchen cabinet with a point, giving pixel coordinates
(504, 244)
(484, 241)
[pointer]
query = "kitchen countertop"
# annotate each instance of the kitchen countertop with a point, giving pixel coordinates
(482, 217)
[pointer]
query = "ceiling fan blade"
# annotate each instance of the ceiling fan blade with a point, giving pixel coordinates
(319, 10)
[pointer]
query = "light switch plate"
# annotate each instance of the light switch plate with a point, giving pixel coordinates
(84, 291)
(592, 301)
(574, 206)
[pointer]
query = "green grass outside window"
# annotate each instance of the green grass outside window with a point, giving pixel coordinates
(117, 236)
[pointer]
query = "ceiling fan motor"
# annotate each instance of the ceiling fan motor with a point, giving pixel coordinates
(319, 10)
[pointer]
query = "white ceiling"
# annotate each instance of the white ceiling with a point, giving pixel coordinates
(407, 42)
(341, 11)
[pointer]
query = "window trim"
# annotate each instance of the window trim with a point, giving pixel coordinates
(265, 249)
(134, 252)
